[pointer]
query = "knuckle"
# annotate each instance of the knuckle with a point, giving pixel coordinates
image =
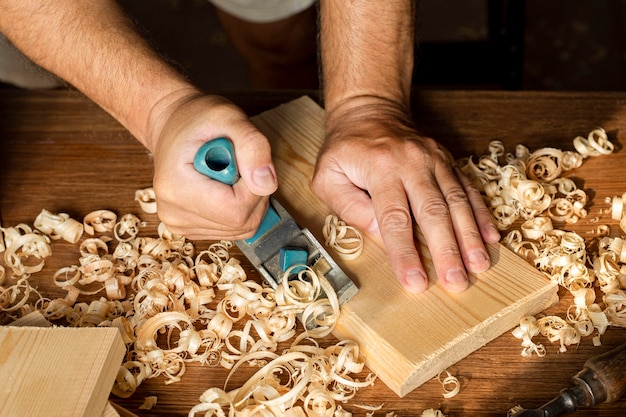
(403, 256)
(318, 185)
(448, 250)
(241, 220)
(472, 191)
(395, 218)
(482, 211)
(456, 197)
(435, 208)
(469, 234)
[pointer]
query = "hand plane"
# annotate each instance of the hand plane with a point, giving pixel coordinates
(279, 243)
(602, 380)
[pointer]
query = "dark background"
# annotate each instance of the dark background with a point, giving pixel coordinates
(469, 44)
(568, 45)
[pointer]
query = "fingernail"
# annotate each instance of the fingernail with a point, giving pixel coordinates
(264, 177)
(456, 280)
(479, 260)
(415, 281)
(494, 233)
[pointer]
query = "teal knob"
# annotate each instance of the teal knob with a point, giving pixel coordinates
(296, 257)
(216, 160)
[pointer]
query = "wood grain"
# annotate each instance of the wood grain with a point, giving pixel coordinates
(61, 152)
(58, 371)
(406, 339)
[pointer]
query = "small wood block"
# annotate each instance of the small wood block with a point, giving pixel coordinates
(406, 339)
(58, 371)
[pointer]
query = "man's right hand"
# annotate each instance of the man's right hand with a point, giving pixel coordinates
(192, 204)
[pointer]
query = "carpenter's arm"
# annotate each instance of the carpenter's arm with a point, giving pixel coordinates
(93, 46)
(375, 170)
(367, 51)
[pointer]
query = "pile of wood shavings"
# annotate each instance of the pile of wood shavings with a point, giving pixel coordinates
(174, 306)
(528, 188)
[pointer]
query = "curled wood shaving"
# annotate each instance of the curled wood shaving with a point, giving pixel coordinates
(147, 200)
(617, 209)
(15, 297)
(345, 240)
(526, 330)
(174, 306)
(526, 185)
(528, 188)
(148, 403)
(307, 374)
(544, 164)
(59, 226)
(127, 228)
(451, 385)
(514, 411)
(26, 250)
(555, 328)
(433, 413)
(99, 221)
(596, 143)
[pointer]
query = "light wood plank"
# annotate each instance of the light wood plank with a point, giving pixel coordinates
(57, 371)
(407, 339)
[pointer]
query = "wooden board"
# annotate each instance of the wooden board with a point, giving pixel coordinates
(406, 339)
(58, 371)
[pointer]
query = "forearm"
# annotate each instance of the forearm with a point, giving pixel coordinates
(93, 46)
(367, 51)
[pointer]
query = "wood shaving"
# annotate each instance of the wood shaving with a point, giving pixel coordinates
(451, 385)
(528, 329)
(345, 240)
(99, 221)
(514, 411)
(26, 250)
(433, 413)
(147, 200)
(556, 329)
(59, 226)
(596, 143)
(174, 306)
(528, 188)
(148, 403)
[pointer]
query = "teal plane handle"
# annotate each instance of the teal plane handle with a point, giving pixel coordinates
(216, 160)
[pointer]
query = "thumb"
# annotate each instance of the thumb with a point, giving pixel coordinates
(352, 205)
(254, 160)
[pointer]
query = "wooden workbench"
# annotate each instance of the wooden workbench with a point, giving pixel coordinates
(60, 152)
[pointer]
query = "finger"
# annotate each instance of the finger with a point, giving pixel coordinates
(396, 229)
(468, 237)
(199, 228)
(351, 203)
(353, 206)
(214, 209)
(254, 159)
(483, 217)
(432, 214)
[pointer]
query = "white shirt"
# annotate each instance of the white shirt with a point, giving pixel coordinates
(263, 11)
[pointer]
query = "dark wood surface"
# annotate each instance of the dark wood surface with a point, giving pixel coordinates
(60, 152)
